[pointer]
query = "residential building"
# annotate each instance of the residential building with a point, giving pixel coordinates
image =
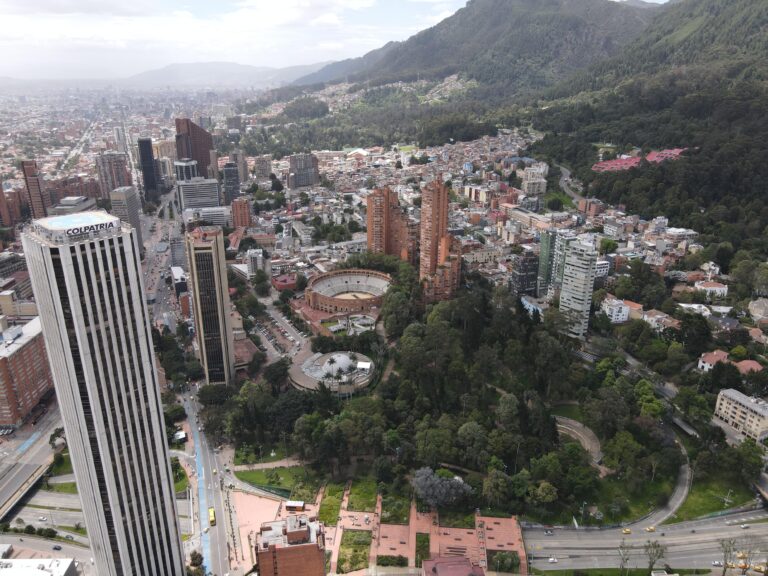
(440, 260)
(708, 360)
(241, 213)
(185, 169)
(546, 260)
(7, 218)
(198, 193)
(578, 282)
(72, 205)
(231, 182)
(616, 310)
(25, 375)
(37, 198)
(262, 166)
(239, 159)
(745, 414)
(75, 185)
(523, 279)
(195, 143)
(713, 290)
(390, 230)
(89, 287)
(256, 260)
(450, 566)
(126, 205)
(535, 187)
(210, 302)
(303, 170)
(563, 239)
(214, 216)
(113, 171)
(293, 546)
(149, 172)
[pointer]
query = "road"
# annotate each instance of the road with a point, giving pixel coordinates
(33, 547)
(567, 185)
(692, 544)
(23, 456)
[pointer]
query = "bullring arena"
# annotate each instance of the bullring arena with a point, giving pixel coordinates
(352, 291)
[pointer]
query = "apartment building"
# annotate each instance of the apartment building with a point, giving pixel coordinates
(746, 414)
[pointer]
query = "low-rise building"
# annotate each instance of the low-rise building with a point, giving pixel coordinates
(294, 546)
(616, 310)
(745, 414)
(450, 566)
(38, 567)
(712, 289)
(708, 360)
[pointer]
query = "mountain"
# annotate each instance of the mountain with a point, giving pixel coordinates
(697, 78)
(219, 74)
(517, 44)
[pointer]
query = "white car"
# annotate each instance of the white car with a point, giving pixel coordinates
(716, 563)
(43, 519)
(552, 560)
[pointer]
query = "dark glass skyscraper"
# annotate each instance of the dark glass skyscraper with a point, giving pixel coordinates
(148, 169)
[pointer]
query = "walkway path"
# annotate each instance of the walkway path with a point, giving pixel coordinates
(678, 496)
(584, 436)
(284, 463)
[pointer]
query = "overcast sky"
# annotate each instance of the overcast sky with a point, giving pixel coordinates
(116, 38)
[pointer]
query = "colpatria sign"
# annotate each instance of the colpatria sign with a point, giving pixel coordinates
(78, 230)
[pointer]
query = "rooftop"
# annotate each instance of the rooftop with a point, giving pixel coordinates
(16, 337)
(289, 532)
(760, 405)
(38, 567)
(81, 220)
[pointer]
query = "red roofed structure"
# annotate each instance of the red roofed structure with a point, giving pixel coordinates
(621, 164)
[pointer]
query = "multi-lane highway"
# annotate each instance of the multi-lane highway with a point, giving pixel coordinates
(42, 548)
(694, 544)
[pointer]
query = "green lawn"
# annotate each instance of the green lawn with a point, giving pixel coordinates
(362, 495)
(74, 529)
(302, 484)
(354, 551)
(648, 499)
(63, 488)
(453, 518)
(422, 548)
(331, 504)
(181, 483)
(250, 455)
(564, 198)
(64, 466)
(571, 411)
(706, 496)
(395, 508)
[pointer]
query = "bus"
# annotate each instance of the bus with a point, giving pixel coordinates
(211, 517)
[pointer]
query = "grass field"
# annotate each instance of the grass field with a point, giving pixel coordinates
(395, 509)
(251, 455)
(62, 488)
(362, 495)
(63, 467)
(331, 504)
(452, 518)
(354, 550)
(422, 548)
(648, 499)
(706, 497)
(298, 479)
(571, 411)
(74, 529)
(182, 483)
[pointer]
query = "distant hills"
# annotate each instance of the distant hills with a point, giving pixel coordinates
(183, 75)
(516, 44)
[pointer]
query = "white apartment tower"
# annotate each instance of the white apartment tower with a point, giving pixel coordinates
(126, 205)
(87, 281)
(578, 282)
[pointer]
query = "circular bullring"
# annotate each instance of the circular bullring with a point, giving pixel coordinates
(350, 291)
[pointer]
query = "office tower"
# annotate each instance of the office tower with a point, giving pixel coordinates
(524, 275)
(7, 218)
(241, 213)
(231, 182)
(198, 193)
(434, 226)
(262, 166)
(126, 205)
(240, 160)
(148, 169)
(88, 285)
(578, 283)
(186, 169)
(25, 374)
(178, 253)
(256, 259)
(37, 198)
(119, 135)
(303, 170)
(113, 172)
(210, 303)
(195, 143)
(294, 546)
(213, 216)
(213, 166)
(390, 230)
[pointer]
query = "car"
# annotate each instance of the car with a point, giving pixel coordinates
(716, 563)
(626, 531)
(69, 537)
(650, 529)
(43, 519)
(744, 526)
(552, 560)
(548, 533)
(57, 547)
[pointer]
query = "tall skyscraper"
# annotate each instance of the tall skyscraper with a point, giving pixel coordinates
(262, 166)
(126, 205)
(7, 218)
(119, 135)
(241, 213)
(390, 230)
(88, 284)
(303, 170)
(546, 256)
(578, 283)
(210, 302)
(186, 169)
(195, 143)
(113, 172)
(238, 157)
(231, 182)
(148, 169)
(524, 275)
(198, 193)
(38, 199)
(434, 226)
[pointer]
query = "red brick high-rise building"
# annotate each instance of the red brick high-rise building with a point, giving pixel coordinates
(25, 375)
(390, 230)
(241, 213)
(294, 546)
(195, 143)
(37, 198)
(440, 257)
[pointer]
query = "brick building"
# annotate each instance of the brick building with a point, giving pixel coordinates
(25, 375)
(440, 260)
(294, 546)
(241, 213)
(390, 230)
